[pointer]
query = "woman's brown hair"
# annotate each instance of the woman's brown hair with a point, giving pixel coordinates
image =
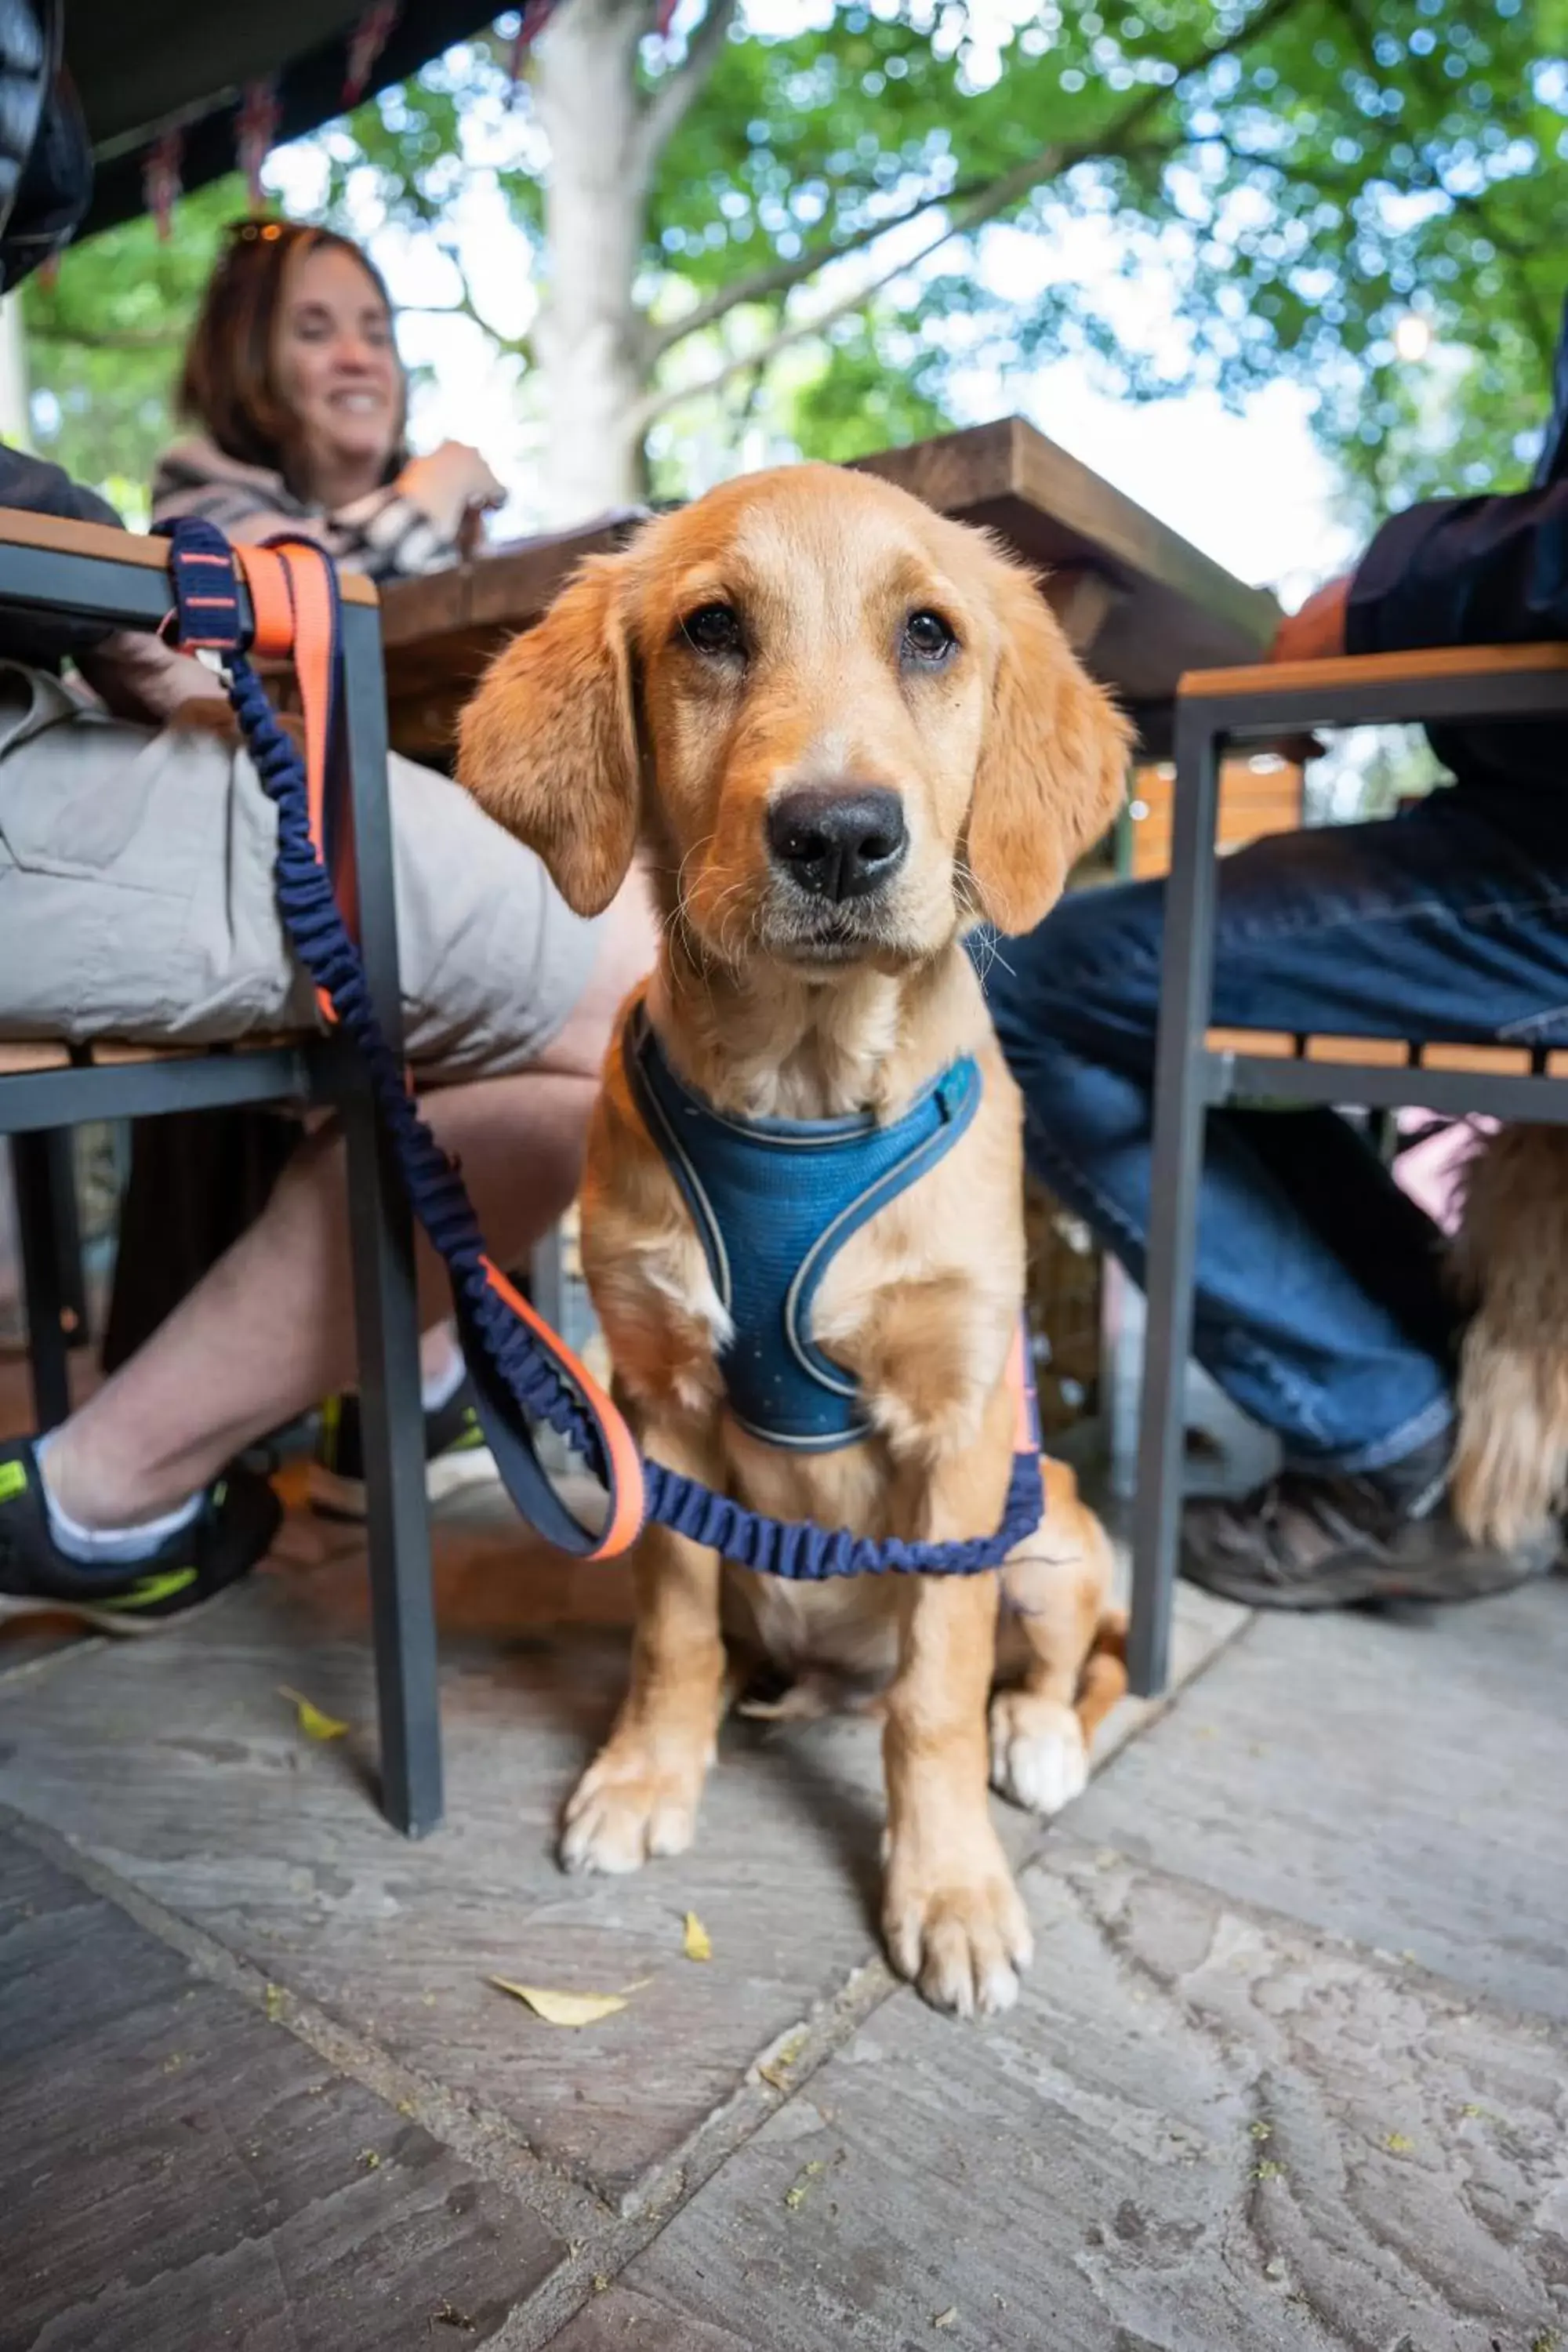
(227, 382)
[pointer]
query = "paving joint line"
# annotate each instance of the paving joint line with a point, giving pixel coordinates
(598, 2237)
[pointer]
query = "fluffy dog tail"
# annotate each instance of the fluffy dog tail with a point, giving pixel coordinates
(1509, 1260)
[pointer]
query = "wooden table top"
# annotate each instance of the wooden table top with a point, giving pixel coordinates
(1141, 604)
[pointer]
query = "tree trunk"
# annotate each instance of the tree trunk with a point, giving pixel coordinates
(589, 338)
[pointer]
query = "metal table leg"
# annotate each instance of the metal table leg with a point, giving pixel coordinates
(1179, 1110)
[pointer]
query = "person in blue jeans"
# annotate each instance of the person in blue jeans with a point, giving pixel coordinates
(1320, 1305)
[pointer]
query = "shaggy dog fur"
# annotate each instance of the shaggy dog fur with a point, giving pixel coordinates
(1509, 1262)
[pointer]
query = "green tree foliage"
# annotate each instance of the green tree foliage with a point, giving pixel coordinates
(104, 343)
(1301, 175)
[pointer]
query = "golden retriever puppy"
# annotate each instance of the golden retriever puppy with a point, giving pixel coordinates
(844, 731)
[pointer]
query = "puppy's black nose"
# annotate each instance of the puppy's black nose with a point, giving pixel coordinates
(836, 844)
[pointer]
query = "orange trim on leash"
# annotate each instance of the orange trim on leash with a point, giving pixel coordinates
(627, 1498)
(291, 605)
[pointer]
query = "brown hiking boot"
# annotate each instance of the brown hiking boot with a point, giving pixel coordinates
(1333, 1539)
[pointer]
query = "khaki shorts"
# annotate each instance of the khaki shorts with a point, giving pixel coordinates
(136, 900)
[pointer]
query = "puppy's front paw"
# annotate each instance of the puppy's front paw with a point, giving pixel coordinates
(1037, 1752)
(627, 1809)
(962, 1938)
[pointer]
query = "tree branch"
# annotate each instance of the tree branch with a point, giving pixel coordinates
(465, 307)
(781, 276)
(667, 109)
(104, 339)
(999, 195)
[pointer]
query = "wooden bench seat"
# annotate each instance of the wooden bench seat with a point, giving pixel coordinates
(1388, 1052)
(22, 1057)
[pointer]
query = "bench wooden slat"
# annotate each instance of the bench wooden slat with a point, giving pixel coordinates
(19, 1058)
(108, 1055)
(22, 1057)
(1263, 1044)
(1383, 1053)
(1374, 669)
(1490, 1061)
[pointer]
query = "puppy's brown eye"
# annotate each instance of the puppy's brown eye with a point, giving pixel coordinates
(928, 638)
(713, 629)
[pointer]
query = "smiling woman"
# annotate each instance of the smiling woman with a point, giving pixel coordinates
(294, 378)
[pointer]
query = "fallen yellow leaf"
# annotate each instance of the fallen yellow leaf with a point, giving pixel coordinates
(796, 2195)
(564, 2008)
(698, 1944)
(312, 1722)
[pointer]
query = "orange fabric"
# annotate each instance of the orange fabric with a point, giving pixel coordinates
(627, 1498)
(269, 603)
(291, 602)
(313, 599)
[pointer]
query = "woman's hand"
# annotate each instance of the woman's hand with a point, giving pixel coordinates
(449, 485)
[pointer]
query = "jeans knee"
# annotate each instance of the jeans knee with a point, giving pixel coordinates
(1090, 970)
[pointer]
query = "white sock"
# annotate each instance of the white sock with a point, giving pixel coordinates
(437, 1389)
(108, 1547)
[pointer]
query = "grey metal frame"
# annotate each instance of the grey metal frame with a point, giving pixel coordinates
(1189, 1078)
(36, 1108)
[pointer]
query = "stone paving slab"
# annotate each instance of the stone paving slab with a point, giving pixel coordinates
(177, 1764)
(1399, 1782)
(1204, 2129)
(177, 2175)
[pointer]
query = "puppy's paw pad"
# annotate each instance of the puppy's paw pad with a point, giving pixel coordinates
(622, 1815)
(963, 1946)
(1038, 1754)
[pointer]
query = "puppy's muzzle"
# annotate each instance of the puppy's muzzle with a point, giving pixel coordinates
(834, 843)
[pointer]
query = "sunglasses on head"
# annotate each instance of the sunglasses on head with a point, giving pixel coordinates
(242, 233)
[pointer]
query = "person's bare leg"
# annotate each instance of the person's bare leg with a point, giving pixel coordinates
(271, 1328)
(270, 1331)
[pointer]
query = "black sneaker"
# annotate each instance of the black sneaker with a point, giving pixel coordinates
(238, 1517)
(1332, 1540)
(456, 1454)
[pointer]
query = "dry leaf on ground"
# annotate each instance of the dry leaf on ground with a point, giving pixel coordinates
(564, 2008)
(696, 1942)
(313, 1723)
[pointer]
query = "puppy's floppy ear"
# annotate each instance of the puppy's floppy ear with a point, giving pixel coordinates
(1053, 763)
(548, 745)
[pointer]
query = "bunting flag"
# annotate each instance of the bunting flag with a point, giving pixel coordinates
(665, 18)
(366, 42)
(535, 15)
(161, 180)
(258, 117)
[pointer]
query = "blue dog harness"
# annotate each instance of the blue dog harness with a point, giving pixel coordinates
(773, 1201)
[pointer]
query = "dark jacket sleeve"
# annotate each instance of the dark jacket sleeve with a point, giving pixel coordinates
(1477, 571)
(1465, 572)
(41, 489)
